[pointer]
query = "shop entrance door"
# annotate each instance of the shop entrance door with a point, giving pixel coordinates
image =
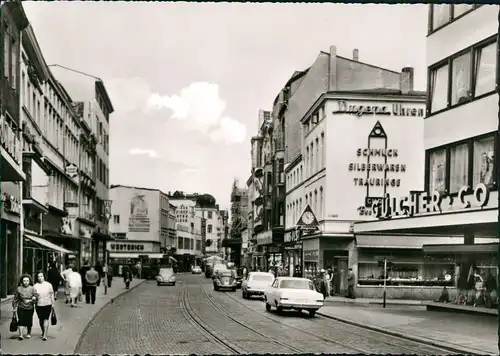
(342, 266)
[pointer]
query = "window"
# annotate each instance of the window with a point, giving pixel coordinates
(460, 79)
(472, 75)
(461, 9)
(6, 53)
(210, 215)
(116, 219)
(439, 88)
(441, 15)
(459, 167)
(13, 63)
(437, 171)
(483, 161)
(209, 229)
(321, 203)
(485, 66)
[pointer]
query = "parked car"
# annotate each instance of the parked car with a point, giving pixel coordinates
(225, 279)
(294, 293)
(256, 283)
(166, 276)
(196, 270)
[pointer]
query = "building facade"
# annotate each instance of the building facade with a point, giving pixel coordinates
(460, 197)
(233, 230)
(14, 21)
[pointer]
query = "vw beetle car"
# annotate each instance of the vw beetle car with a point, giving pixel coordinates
(225, 279)
(293, 293)
(196, 270)
(166, 276)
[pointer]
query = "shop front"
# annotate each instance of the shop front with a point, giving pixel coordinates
(430, 241)
(128, 253)
(10, 245)
(269, 245)
(292, 251)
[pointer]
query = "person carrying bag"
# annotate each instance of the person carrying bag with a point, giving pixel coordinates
(13, 323)
(53, 318)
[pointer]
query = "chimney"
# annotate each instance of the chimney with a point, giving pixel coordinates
(355, 54)
(406, 80)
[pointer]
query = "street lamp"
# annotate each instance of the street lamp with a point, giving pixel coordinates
(497, 166)
(107, 217)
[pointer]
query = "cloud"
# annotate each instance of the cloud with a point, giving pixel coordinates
(199, 107)
(128, 94)
(143, 152)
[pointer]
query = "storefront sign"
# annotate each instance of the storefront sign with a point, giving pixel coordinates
(311, 256)
(11, 204)
(291, 236)
(68, 222)
(182, 228)
(107, 209)
(423, 202)
(397, 109)
(265, 238)
(126, 247)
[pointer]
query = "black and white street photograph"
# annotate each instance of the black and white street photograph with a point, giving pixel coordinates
(200, 178)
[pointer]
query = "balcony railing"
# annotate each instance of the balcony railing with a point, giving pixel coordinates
(9, 140)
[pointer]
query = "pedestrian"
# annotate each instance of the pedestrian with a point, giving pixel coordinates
(100, 270)
(329, 283)
(336, 281)
(44, 304)
(23, 305)
(64, 276)
(54, 278)
(83, 271)
(75, 286)
(351, 281)
(120, 270)
(109, 272)
(127, 277)
(92, 280)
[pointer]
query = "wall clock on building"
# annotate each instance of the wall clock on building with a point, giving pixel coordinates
(308, 218)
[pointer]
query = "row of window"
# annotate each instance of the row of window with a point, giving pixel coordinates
(440, 15)
(314, 199)
(463, 77)
(315, 155)
(295, 177)
(185, 243)
(102, 172)
(10, 56)
(310, 123)
(465, 163)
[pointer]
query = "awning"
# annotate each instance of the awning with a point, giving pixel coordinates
(404, 241)
(459, 249)
(47, 244)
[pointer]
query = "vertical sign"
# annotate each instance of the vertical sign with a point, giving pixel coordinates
(107, 209)
(68, 222)
(139, 219)
(377, 139)
(203, 232)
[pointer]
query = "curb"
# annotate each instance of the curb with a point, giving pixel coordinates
(416, 304)
(451, 348)
(111, 300)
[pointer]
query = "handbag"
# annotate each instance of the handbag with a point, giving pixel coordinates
(13, 323)
(53, 317)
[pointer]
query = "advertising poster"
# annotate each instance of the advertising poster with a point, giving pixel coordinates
(139, 220)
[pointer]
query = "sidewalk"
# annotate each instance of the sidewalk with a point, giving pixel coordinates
(63, 337)
(342, 299)
(476, 334)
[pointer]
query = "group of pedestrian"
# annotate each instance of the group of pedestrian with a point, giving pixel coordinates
(41, 296)
(30, 298)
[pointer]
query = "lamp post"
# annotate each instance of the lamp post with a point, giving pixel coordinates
(107, 217)
(497, 164)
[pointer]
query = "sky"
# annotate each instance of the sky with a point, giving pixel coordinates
(187, 80)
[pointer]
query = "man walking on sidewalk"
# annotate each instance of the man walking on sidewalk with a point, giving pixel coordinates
(92, 279)
(351, 280)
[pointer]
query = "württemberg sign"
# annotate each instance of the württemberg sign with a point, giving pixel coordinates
(396, 109)
(423, 202)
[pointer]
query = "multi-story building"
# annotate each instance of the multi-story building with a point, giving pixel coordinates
(460, 132)
(233, 232)
(14, 21)
(136, 223)
(168, 235)
(94, 108)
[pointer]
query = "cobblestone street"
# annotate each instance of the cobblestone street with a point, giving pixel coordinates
(191, 318)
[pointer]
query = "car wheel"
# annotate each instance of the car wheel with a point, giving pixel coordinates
(279, 309)
(268, 306)
(312, 313)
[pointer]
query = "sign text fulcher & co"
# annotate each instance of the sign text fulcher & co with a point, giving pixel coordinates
(397, 109)
(422, 202)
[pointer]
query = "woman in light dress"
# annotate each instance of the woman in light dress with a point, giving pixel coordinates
(64, 276)
(75, 286)
(45, 303)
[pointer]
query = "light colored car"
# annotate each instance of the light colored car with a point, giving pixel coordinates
(256, 283)
(196, 270)
(294, 293)
(218, 267)
(166, 276)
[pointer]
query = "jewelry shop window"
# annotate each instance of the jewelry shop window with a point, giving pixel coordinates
(459, 167)
(483, 161)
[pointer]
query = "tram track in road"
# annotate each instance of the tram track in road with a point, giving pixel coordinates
(338, 329)
(221, 310)
(311, 337)
(203, 327)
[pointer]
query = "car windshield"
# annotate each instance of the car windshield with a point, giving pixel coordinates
(297, 284)
(166, 271)
(262, 278)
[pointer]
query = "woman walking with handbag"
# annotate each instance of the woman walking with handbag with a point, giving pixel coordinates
(75, 286)
(23, 305)
(45, 303)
